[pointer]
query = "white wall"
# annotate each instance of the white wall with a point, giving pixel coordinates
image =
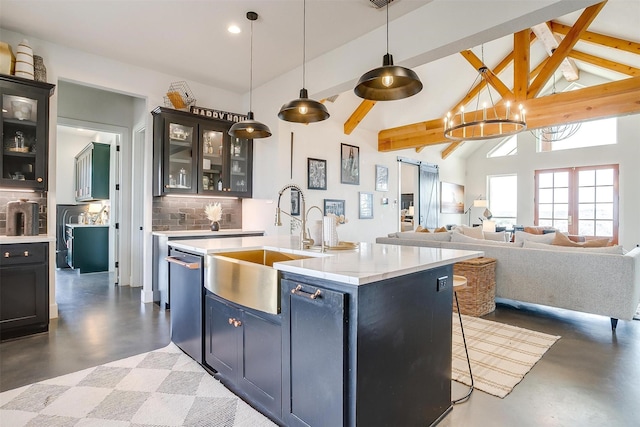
(626, 153)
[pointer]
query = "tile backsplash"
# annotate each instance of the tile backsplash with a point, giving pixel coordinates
(187, 213)
(12, 196)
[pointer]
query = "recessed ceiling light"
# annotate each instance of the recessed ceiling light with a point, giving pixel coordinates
(234, 29)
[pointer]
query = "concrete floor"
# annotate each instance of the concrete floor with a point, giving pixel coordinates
(590, 377)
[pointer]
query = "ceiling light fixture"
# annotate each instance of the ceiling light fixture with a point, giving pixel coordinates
(234, 29)
(303, 109)
(389, 82)
(250, 128)
(496, 122)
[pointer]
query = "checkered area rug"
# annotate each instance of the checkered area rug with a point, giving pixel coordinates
(160, 388)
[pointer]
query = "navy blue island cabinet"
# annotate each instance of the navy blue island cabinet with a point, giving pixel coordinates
(371, 355)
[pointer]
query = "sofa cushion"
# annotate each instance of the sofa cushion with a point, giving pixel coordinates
(440, 237)
(475, 232)
(461, 238)
(521, 236)
(562, 240)
(499, 236)
(614, 250)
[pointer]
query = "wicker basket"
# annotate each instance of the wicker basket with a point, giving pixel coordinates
(479, 297)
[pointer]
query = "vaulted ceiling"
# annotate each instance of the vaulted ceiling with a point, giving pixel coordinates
(524, 77)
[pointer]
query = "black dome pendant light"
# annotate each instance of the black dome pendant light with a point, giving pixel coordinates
(250, 128)
(389, 82)
(303, 109)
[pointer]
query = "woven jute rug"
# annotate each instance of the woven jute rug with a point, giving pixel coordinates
(501, 355)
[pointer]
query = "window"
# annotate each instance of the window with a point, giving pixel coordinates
(503, 199)
(590, 134)
(580, 201)
(508, 147)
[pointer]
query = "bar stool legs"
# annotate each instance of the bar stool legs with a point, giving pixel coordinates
(466, 396)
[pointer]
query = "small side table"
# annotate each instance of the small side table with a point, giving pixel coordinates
(459, 283)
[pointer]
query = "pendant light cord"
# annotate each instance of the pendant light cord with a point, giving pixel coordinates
(251, 69)
(388, 1)
(304, 40)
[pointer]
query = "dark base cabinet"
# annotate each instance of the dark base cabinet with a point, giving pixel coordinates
(244, 347)
(371, 355)
(24, 289)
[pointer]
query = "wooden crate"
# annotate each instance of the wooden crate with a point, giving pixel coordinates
(479, 297)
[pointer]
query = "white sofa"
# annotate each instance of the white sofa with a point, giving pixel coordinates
(580, 279)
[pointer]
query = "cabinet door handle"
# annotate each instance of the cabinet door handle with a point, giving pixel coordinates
(298, 291)
(39, 179)
(189, 265)
(26, 253)
(235, 322)
(7, 254)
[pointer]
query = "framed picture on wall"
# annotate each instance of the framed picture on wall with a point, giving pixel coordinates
(382, 178)
(333, 206)
(316, 174)
(451, 198)
(295, 202)
(366, 205)
(349, 164)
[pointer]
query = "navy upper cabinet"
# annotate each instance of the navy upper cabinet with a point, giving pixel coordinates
(196, 155)
(25, 132)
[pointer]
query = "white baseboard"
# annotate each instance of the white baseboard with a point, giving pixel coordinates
(148, 296)
(53, 311)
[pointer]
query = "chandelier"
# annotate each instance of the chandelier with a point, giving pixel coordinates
(557, 132)
(488, 121)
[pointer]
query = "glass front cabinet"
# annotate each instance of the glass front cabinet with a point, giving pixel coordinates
(196, 155)
(25, 132)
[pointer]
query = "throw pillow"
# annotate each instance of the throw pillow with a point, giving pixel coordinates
(499, 236)
(475, 232)
(521, 236)
(419, 229)
(441, 230)
(562, 240)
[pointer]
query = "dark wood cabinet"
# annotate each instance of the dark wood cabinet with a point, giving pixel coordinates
(244, 347)
(314, 327)
(25, 132)
(24, 289)
(92, 172)
(196, 155)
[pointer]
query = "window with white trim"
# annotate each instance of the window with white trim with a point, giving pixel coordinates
(503, 199)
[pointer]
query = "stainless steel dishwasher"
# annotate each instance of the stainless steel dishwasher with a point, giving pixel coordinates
(185, 288)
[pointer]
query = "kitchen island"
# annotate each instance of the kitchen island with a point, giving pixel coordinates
(361, 338)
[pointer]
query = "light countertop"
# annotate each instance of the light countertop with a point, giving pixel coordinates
(189, 233)
(86, 225)
(7, 240)
(371, 262)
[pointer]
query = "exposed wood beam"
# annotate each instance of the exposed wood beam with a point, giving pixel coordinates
(490, 76)
(358, 115)
(521, 64)
(605, 63)
(605, 100)
(550, 41)
(567, 44)
(601, 39)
